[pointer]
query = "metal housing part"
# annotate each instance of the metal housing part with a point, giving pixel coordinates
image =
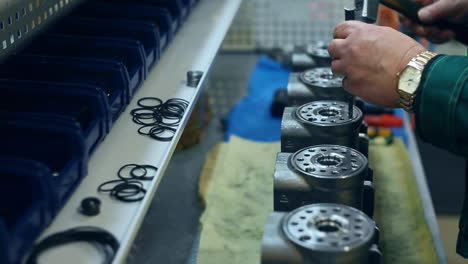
(318, 50)
(321, 122)
(322, 173)
(315, 84)
(320, 233)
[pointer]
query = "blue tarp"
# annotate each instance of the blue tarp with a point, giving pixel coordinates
(251, 117)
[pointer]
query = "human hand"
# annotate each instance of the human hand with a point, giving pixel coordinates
(370, 57)
(433, 33)
(455, 11)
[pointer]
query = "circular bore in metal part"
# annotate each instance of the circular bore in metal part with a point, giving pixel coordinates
(327, 113)
(328, 227)
(321, 78)
(329, 161)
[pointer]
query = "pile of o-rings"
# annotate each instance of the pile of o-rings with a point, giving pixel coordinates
(158, 118)
(129, 186)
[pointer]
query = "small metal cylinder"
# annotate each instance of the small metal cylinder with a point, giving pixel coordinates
(193, 78)
(315, 84)
(320, 233)
(321, 174)
(320, 122)
(318, 51)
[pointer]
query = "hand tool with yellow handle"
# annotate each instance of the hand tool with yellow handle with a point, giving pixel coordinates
(410, 9)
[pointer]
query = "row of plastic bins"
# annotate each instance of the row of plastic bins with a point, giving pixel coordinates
(59, 99)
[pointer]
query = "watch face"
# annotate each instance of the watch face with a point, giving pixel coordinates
(409, 80)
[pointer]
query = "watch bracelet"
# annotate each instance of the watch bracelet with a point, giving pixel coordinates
(419, 62)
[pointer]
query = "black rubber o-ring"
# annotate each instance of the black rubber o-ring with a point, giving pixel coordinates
(141, 100)
(143, 177)
(119, 172)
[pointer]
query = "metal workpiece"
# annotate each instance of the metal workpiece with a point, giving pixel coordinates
(301, 61)
(315, 84)
(320, 122)
(323, 174)
(323, 233)
(318, 51)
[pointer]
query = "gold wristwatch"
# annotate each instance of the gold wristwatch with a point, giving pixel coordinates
(410, 77)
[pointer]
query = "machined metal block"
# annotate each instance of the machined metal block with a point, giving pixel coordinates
(315, 84)
(323, 174)
(321, 122)
(320, 234)
(318, 51)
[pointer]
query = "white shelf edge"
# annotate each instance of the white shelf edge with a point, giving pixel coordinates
(194, 47)
(420, 177)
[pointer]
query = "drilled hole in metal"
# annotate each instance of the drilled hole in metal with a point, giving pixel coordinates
(328, 112)
(328, 226)
(304, 238)
(329, 160)
(327, 76)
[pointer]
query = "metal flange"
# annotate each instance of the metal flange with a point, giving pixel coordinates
(331, 228)
(320, 78)
(327, 113)
(319, 52)
(329, 162)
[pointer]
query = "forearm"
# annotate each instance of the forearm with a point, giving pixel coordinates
(441, 107)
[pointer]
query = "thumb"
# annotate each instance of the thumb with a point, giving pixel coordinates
(435, 11)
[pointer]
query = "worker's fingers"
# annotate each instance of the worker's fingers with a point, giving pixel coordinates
(346, 83)
(338, 67)
(336, 47)
(344, 29)
(352, 86)
(436, 11)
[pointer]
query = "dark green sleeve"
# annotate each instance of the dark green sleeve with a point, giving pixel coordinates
(441, 107)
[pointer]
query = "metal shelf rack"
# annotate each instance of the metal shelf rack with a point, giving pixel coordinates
(193, 48)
